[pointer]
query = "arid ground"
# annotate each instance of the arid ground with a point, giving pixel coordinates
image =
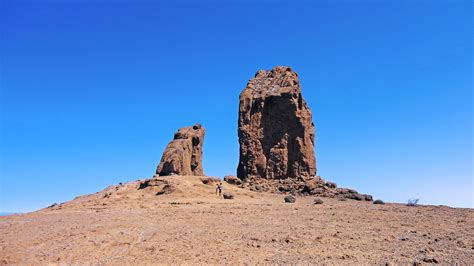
(188, 223)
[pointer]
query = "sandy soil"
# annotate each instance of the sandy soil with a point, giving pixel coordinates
(124, 225)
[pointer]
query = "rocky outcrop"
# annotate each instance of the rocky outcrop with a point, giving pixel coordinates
(319, 187)
(232, 180)
(276, 136)
(276, 132)
(183, 155)
(158, 185)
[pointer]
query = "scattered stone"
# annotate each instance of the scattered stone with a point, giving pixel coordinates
(183, 155)
(430, 260)
(228, 195)
(379, 202)
(290, 199)
(331, 185)
(231, 179)
(318, 201)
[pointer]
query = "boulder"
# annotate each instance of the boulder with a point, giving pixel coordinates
(318, 201)
(209, 180)
(231, 179)
(311, 186)
(290, 199)
(367, 197)
(379, 202)
(228, 195)
(275, 128)
(183, 155)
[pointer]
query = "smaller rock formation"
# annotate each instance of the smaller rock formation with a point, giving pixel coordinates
(183, 155)
(158, 185)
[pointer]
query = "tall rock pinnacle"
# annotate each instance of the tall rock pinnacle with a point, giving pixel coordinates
(183, 155)
(276, 132)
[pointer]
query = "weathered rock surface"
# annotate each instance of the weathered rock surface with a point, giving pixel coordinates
(289, 199)
(276, 136)
(183, 155)
(161, 186)
(276, 131)
(231, 179)
(319, 187)
(318, 201)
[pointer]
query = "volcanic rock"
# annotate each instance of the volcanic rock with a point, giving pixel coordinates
(158, 185)
(228, 195)
(276, 132)
(209, 180)
(290, 199)
(183, 155)
(232, 180)
(318, 201)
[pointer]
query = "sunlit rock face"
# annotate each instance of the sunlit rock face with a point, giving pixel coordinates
(275, 127)
(183, 155)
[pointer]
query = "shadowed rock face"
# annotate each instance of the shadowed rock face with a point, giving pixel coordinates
(276, 132)
(183, 155)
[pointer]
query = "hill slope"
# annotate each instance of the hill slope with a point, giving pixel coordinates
(179, 219)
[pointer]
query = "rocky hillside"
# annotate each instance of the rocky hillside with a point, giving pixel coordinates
(180, 219)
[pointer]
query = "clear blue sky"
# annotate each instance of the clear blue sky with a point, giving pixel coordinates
(91, 92)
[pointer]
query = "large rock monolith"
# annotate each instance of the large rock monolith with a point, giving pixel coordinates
(183, 155)
(276, 131)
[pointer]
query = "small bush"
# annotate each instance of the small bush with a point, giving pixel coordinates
(412, 202)
(52, 205)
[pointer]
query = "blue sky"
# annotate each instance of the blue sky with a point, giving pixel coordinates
(92, 91)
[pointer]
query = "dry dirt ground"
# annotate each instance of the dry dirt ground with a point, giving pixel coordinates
(124, 225)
